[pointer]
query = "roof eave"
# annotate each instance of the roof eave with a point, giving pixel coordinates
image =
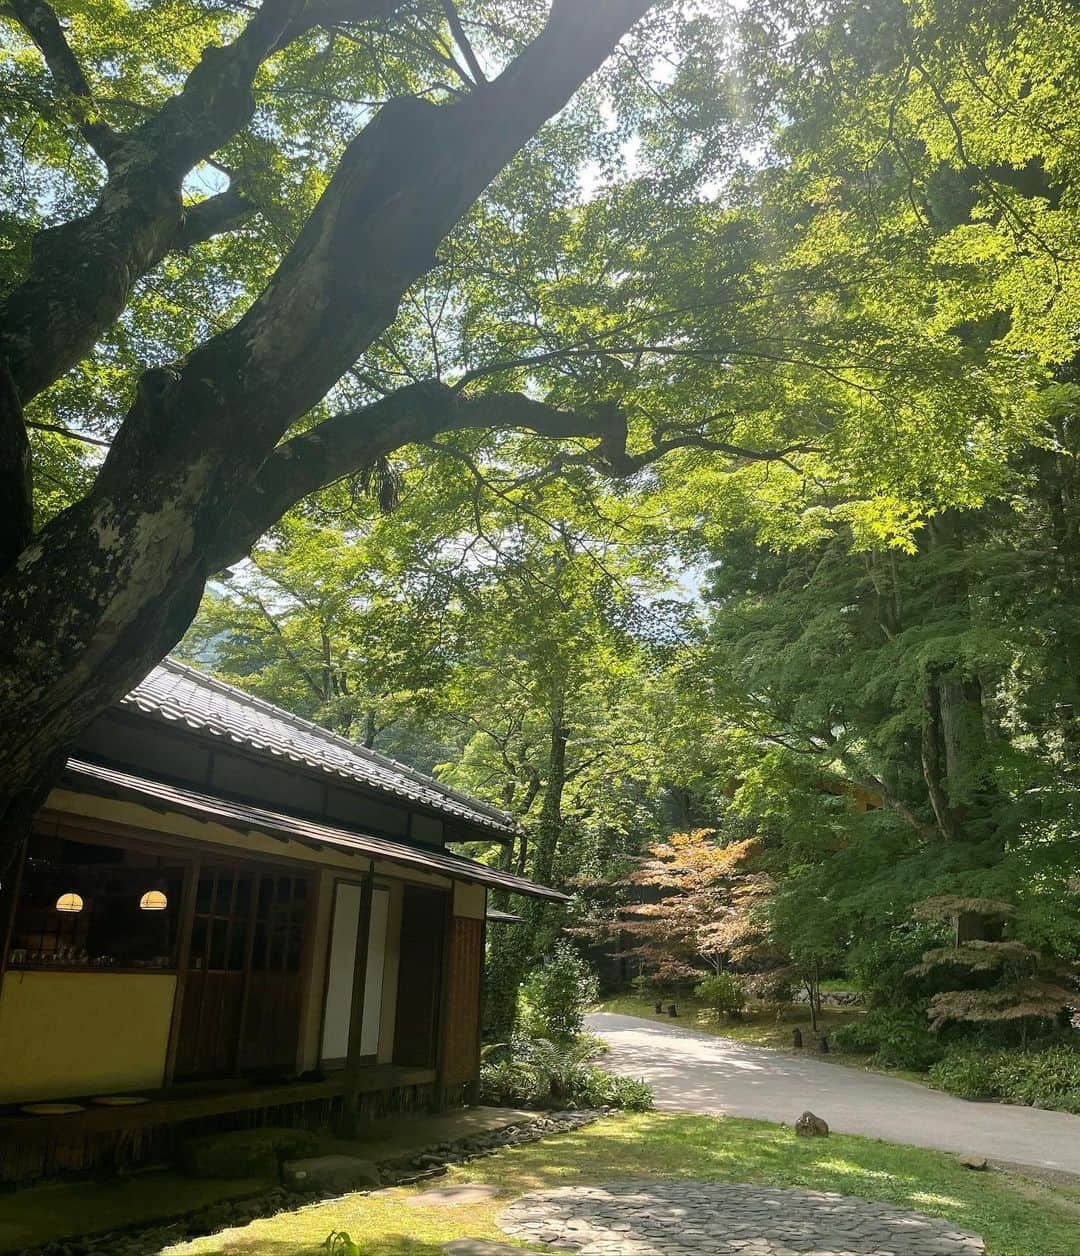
(95, 778)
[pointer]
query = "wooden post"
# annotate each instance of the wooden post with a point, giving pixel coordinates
(351, 1097)
(442, 1021)
(183, 961)
(472, 1094)
(307, 966)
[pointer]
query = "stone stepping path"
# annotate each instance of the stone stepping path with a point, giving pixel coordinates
(724, 1219)
(452, 1196)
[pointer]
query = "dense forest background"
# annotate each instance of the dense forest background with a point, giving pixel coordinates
(807, 650)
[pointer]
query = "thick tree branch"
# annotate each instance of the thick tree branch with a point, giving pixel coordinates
(42, 25)
(213, 216)
(82, 273)
(400, 186)
(342, 445)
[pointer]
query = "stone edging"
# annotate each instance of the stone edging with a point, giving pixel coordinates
(430, 1162)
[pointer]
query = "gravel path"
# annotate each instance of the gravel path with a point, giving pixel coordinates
(692, 1071)
(721, 1219)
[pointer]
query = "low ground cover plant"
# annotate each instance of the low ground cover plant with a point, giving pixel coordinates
(1042, 1079)
(546, 1073)
(897, 1038)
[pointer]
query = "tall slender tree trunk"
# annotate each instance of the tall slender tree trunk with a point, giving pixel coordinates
(516, 954)
(549, 827)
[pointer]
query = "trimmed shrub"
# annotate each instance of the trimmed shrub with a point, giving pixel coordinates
(723, 992)
(969, 1076)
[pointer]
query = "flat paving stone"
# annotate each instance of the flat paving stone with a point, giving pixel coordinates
(725, 1219)
(451, 1196)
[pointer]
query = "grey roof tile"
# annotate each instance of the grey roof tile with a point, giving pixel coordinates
(177, 693)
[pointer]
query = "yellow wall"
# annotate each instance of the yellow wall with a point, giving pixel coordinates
(82, 1033)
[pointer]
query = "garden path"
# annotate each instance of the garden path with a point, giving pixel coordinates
(725, 1219)
(692, 1071)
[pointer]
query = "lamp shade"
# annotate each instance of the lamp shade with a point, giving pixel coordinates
(69, 902)
(153, 900)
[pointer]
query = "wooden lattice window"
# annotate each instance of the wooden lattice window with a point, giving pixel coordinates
(219, 931)
(279, 924)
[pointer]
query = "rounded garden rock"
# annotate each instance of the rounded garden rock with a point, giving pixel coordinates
(725, 1219)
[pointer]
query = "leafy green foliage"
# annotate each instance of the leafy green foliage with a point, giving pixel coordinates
(894, 1039)
(545, 1073)
(1046, 1079)
(555, 996)
(723, 992)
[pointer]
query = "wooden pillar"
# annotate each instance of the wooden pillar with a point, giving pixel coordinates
(472, 1093)
(316, 890)
(438, 1100)
(351, 1098)
(183, 963)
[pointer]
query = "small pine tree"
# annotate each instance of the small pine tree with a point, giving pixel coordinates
(997, 979)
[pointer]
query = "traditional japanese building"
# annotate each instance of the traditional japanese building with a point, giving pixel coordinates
(228, 915)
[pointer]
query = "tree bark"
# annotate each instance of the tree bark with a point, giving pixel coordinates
(933, 771)
(83, 272)
(549, 827)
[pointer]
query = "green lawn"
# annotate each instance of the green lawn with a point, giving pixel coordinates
(1016, 1217)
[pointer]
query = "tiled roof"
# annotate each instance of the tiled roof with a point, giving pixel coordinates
(177, 693)
(246, 818)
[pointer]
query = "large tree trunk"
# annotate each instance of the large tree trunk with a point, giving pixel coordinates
(89, 605)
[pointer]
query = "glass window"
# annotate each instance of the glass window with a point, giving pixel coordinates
(85, 905)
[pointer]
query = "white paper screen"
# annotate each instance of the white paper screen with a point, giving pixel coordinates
(339, 986)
